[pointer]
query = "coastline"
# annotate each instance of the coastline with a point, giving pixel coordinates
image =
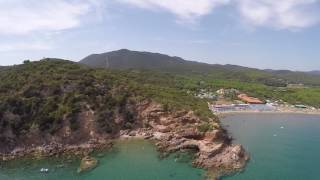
(213, 153)
(171, 132)
(277, 111)
(56, 150)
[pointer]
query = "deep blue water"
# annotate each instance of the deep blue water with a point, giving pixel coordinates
(281, 146)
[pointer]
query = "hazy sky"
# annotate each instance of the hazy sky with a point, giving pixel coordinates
(257, 33)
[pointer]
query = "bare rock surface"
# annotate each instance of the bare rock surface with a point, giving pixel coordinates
(171, 131)
(215, 152)
(87, 163)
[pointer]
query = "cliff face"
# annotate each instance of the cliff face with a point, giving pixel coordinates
(172, 131)
(54, 103)
(176, 131)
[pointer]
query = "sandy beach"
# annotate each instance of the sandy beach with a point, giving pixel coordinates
(277, 111)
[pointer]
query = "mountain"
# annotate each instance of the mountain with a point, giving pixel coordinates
(126, 59)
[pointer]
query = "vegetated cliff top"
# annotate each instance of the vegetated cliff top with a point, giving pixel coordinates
(46, 95)
(126, 59)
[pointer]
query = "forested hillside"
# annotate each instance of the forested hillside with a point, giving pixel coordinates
(55, 98)
(126, 59)
(47, 95)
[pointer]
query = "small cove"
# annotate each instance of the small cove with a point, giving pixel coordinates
(128, 160)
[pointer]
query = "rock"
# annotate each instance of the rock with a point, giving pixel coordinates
(87, 163)
(60, 166)
(4, 158)
(192, 144)
(162, 128)
(123, 132)
(165, 121)
(216, 126)
(158, 135)
(100, 155)
(132, 133)
(228, 158)
(191, 133)
(213, 136)
(171, 131)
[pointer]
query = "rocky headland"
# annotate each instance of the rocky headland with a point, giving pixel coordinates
(171, 131)
(178, 131)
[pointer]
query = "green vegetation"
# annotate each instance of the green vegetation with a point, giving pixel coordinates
(309, 96)
(193, 83)
(48, 93)
(126, 59)
(204, 127)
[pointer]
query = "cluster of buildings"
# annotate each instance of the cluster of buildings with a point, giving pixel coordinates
(234, 100)
(229, 107)
(250, 100)
(227, 92)
(225, 100)
(243, 102)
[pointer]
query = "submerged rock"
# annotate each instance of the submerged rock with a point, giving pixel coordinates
(87, 163)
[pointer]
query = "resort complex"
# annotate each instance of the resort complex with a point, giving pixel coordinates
(233, 100)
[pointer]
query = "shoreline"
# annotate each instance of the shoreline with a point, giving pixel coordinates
(55, 150)
(213, 154)
(266, 112)
(171, 132)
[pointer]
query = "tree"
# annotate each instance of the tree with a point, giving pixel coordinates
(26, 61)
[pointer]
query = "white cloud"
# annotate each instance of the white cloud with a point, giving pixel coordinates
(279, 14)
(282, 14)
(186, 10)
(26, 16)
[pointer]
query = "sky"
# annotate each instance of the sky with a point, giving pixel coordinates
(266, 34)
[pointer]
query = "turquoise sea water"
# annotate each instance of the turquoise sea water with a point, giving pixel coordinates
(281, 146)
(128, 160)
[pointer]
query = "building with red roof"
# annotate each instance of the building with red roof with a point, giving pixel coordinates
(251, 100)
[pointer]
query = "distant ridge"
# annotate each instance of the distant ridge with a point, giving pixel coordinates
(314, 72)
(127, 59)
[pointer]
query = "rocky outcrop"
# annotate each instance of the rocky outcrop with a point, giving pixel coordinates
(87, 163)
(57, 149)
(178, 131)
(37, 145)
(172, 131)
